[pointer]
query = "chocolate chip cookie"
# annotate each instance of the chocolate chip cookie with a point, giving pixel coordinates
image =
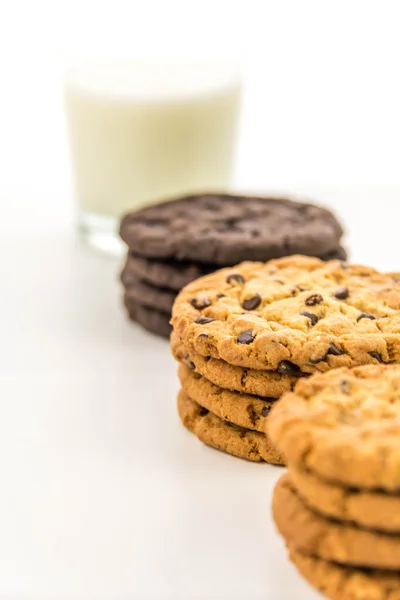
(223, 229)
(371, 509)
(241, 409)
(310, 533)
(293, 315)
(269, 384)
(219, 434)
(344, 426)
(341, 582)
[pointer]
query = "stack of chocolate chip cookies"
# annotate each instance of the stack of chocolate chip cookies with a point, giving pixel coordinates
(174, 243)
(338, 506)
(247, 334)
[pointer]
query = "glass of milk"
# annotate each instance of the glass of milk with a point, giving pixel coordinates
(146, 132)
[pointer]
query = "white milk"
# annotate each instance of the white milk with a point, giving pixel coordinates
(145, 132)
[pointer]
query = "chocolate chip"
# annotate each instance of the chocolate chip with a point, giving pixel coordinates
(204, 320)
(334, 350)
(189, 363)
(203, 411)
(265, 411)
(377, 356)
(313, 318)
(220, 295)
(246, 337)
(237, 277)
(315, 361)
(200, 304)
(313, 300)
(342, 293)
(286, 367)
(252, 303)
(253, 416)
(345, 387)
(365, 316)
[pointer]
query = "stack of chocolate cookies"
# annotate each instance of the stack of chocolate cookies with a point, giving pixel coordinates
(174, 243)
(338, 506)
(248, 334)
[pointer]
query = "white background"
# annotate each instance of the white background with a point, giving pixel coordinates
(103, 494)
(323, 87)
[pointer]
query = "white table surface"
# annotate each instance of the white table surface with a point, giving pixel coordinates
(104, 495)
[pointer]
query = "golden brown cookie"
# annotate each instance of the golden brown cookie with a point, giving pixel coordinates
(244, 410)
(339, 582)
(249, 381)
(343, 426)
(292, 315)
(308, 532)
(224, 436)
(369, 509)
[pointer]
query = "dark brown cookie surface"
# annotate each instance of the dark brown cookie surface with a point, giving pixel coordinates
(152, 320)
(170, 274)
(148, 295)
(174, 275)
(225, 229)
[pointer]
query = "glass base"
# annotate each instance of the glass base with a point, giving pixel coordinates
(100, 232)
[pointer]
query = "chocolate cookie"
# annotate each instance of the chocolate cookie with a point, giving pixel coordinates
(174, 275)
(169, 274)
(269, 384)
(293, 315)
(343, 426)
(310, 533)
(369, 509)
(219, 434)
(148, 295)
(340, 582)
(152, 320)
(225, 229)
(241, 409)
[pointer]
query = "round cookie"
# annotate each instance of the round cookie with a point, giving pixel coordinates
(369, 509)
(174, 275)
(219, 434)
(224, 229)
(152, 320)
(147, 295)
(308, 532)
(340, 582)
(343, 426)
(269, 384)
(241, 409)
(294, 315)
(168, 274)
